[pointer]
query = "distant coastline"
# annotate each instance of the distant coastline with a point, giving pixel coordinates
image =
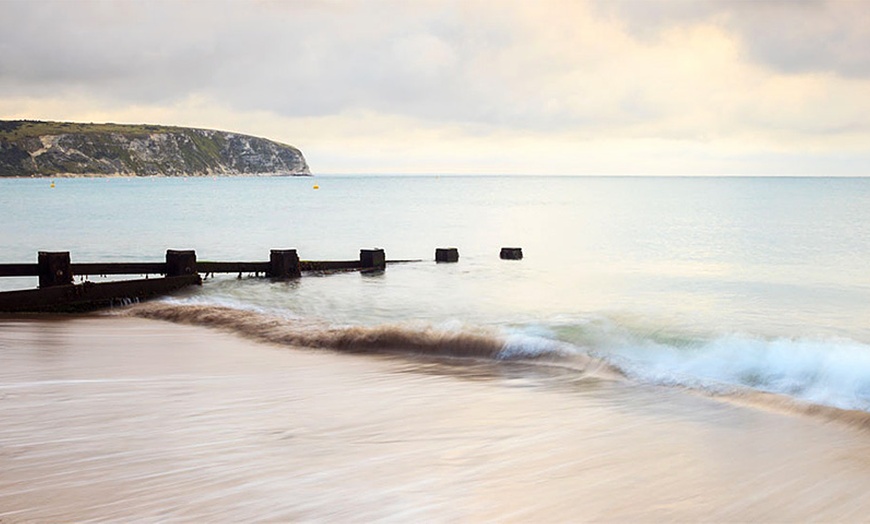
(128, 175)
(36, 149)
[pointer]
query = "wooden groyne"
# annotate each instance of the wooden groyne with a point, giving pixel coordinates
(58, 292)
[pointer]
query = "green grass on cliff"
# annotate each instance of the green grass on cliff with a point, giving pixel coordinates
(105, 148)
(13, 130)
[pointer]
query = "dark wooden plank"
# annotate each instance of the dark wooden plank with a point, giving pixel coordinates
(90, 295)
(120, 268)
(232, 267)
(328, 265)
(19, 270)
(159, 268)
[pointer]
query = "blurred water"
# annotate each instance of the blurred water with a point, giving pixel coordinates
(747, 286)
(120, 420)
(700, 282)
(770, 256)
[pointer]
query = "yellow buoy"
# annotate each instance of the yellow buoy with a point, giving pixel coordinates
(316, 186)
(52, 183)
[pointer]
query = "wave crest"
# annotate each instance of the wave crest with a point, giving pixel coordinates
(358, 339)
(718, 367)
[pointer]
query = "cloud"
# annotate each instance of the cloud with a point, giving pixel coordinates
(108, 49)
(522, 64)
(502, 82)
(790, 36)
(795, 37)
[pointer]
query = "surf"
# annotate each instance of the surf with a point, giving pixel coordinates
(829, 378)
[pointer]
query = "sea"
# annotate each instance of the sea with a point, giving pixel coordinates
(710, 283)
(668, 347)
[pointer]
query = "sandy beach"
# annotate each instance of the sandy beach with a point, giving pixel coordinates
(125, 419)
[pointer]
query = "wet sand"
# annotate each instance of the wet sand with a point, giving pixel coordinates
(130, 419)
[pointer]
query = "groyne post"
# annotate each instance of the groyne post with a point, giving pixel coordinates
(180, 262)
(372, 259)
(446, 254)
(54, 268)
(284, 264)
(511, 253)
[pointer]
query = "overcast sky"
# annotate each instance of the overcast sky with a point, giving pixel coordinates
(527, 86)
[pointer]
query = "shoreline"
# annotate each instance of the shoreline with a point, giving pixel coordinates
(190, 175)
(119, 418)
(388, 339)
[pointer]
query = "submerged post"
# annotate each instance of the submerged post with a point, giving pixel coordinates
(446, 254)
(372, 259)
(284, 263)
(54, 268)
(511, 253)
(180, 263)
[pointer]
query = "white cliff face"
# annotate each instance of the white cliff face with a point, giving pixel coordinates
(190, 152)
(47, 143)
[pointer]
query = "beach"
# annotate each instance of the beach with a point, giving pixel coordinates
(475, 261)
(111, 418)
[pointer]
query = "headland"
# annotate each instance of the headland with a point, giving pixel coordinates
(31, 148)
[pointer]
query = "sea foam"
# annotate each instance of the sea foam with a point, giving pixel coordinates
(826, 371)
(832, 373)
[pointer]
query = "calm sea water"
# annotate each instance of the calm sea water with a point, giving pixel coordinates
(702, 282)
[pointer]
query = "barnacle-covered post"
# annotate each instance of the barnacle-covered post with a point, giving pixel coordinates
(372, 259)
(284, 264)
(180, 262)
(54, 268)
(446, 254)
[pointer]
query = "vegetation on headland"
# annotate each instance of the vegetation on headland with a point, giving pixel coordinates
(17, 129)
(36, 148)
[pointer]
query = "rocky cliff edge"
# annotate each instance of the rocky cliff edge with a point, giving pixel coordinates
(33, 148)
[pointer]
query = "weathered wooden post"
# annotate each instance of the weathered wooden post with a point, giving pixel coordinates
(54, 268)
(372, 259)
(283, 264)
(180, 263)
(511, 253)
(446, 254)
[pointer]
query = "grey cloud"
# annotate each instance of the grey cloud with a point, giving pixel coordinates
(438, 61)
(153, 51)
(790, 36)
(109, 49)
(646, 19)
(831, 36)
(420, 59)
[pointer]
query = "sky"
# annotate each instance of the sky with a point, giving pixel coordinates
(581, 87)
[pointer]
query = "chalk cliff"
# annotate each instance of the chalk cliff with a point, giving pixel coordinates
(33, 148)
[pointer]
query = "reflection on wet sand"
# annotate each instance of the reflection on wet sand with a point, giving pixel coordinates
(122, 418)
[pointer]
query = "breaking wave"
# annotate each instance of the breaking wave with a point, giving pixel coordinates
(832, 372)
(422, 340)
(274, 329)
(827, 378)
